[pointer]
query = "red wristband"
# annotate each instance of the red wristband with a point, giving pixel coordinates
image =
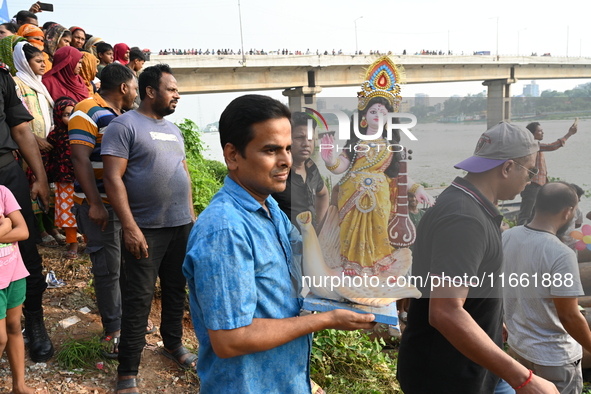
(531, 375)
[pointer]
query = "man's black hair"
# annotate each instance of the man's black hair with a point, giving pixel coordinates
(237, 119)
(103, 47)
(553, 197)
(151, 77)
(532, 127)
(113, 76)
(22, 16)
(11, 27)
(136, 54)
(301, 119)
(578, 189)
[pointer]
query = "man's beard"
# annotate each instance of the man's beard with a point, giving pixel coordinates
(562, 230)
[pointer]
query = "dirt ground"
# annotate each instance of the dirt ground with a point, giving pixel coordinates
(157, 373)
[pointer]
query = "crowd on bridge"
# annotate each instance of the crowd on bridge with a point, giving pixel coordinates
(333, 52)
(282, 52)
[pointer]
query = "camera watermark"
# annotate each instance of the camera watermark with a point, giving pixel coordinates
(361, 281)
(344, 133)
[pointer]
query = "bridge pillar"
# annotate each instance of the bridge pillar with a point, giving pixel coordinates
(302, 97)
(498, 107)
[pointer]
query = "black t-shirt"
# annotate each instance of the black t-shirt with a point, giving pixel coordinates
(12, 111)
(300, 196)
(460, 235)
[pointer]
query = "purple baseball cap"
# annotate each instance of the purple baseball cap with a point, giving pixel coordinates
(498, 144)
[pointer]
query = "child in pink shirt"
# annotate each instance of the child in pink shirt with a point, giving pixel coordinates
(12, 287)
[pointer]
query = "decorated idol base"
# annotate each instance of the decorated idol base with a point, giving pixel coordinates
(386, 315)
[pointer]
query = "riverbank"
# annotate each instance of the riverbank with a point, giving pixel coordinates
(75, 302)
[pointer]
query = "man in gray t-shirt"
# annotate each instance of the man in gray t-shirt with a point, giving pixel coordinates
(540, 289)
(148, 185)
(155, 177)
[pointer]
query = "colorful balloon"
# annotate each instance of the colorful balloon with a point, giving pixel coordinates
(587, 239)
(580, 245)
(577, 235)
(586, 229)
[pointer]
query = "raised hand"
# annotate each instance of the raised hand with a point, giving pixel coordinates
(35, 8)
(574, 128)
(328, 150)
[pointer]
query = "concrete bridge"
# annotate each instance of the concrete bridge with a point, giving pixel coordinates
(301, 77)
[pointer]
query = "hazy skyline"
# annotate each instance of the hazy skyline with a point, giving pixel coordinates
(457, 25)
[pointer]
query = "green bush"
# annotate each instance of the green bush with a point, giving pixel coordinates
(207, 176)
(218, 169)
(350, 362)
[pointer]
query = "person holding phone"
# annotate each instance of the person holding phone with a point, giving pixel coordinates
(528, 195)
(39, 7)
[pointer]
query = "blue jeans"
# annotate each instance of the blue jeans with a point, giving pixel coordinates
(504, 388)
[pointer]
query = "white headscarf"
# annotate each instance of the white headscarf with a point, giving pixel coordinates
(26, 74)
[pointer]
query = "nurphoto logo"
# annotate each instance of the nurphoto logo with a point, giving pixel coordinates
(344, 132)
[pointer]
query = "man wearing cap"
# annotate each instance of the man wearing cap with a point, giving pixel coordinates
(455, 329)
(528, 195)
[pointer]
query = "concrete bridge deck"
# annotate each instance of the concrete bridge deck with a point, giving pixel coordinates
(225, 73)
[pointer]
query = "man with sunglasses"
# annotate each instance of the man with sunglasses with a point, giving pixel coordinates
(528, 195)
(459, 256)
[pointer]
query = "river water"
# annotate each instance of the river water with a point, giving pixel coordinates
(440, 146)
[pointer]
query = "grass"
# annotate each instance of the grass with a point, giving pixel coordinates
(80, 355)
(351, 362)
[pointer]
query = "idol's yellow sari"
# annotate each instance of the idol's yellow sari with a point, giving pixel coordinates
(365, 207)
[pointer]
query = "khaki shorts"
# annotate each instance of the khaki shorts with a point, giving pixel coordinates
(12, 296)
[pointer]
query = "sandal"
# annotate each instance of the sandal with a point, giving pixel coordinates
(110, 345)
(125, 384)
(60, 239)
(49, 242)
(70, 255)
(176, 355)
(316, 389)
(150, 328)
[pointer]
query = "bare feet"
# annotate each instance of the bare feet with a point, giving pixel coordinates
(23, 389)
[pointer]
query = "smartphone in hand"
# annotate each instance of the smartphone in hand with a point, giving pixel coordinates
(45, 6)
(42, 206)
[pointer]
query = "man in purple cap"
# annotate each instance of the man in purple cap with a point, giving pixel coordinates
(456, 328)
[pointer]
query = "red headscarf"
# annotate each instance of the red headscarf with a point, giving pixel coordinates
(61, 80)
(119, 51)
